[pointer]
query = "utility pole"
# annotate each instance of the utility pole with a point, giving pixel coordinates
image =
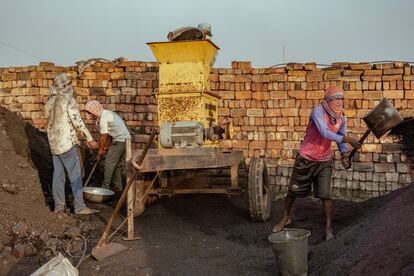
(283, 54)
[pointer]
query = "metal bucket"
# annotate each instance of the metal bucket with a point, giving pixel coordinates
(382, 118)
(96, 194)
(290, 247)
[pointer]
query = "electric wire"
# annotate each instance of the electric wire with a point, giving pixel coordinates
(20, 51)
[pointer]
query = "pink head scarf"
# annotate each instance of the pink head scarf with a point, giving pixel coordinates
(94, 107)
(334, 109)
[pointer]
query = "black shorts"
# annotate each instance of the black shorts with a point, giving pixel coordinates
(307, 173)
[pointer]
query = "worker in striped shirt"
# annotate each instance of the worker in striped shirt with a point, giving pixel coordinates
(313, 164)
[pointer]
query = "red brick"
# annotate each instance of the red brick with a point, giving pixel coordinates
(278, 95)
(352, 72)
(274, 144)
(314, 95)
(373, 95)
(371, 148)
(278, 77)
(393, 71)
(385, 167)
(226, 95)
(243, 78)
(9, 76)
(384, 66)
(257, 145)
(125, 107)
(297, 94)
(243, 95)
(394, 94)
(88, 76)
(255, 112)
(314, 76)
(297, 73)
(311, 66)
(360, 66)
(260, 95)
(289, 112)
(117, 75)
(371, 78)
(103, 76)
(392, 77)
(238, 112)
(353, 94)
(272, 112)
(223, 111)
(226, 78)
(409, 94)
(291, 144)
(285, 162)
(372, 72)
(149, 76)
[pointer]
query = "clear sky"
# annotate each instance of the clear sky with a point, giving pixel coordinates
(322, 31)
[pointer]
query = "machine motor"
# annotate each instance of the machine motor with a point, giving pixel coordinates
(188, 134)
(181, 134)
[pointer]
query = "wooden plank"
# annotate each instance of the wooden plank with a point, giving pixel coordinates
(131, 192)
(189, 158)
(234, 176)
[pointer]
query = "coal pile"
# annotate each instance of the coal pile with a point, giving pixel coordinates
(405, 133)
(380, 242)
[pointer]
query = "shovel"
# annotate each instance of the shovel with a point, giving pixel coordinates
(104, 249)
(379, 120)
(91, 173)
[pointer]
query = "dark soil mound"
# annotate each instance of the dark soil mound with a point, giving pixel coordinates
(26, 222)
(14, 127)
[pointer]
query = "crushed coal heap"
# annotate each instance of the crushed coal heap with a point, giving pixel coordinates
(405, 133)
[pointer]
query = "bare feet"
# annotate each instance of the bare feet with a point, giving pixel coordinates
(329, 235)
(282, 224)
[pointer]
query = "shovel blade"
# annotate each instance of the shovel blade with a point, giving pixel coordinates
(107, 249)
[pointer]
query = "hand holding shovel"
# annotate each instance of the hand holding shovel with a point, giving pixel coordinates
(356, 145)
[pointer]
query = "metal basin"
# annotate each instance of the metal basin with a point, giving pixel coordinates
(98, 195)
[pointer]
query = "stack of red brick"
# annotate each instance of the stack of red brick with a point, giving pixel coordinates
(126, 87)
(269, 108)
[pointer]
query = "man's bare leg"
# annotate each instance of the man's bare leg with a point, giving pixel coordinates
(286, 212)
(327, 209)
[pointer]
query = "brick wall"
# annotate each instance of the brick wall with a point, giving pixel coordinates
(269, 109)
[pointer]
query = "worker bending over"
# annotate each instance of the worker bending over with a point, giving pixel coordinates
(113, 132)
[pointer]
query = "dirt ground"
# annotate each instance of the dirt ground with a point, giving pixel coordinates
(213, 235)
(193, 234)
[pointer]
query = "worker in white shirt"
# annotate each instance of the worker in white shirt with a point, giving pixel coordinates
(112, 131)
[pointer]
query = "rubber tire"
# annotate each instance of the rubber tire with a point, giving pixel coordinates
(259, 190)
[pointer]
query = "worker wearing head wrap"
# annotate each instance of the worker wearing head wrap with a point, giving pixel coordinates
(313, 165)
(114, 134)
(64, 121)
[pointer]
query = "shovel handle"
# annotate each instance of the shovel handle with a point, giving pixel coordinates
(91, 173)
(104, 237)
(363, 137)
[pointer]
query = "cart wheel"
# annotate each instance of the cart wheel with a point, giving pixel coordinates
(258, 184)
